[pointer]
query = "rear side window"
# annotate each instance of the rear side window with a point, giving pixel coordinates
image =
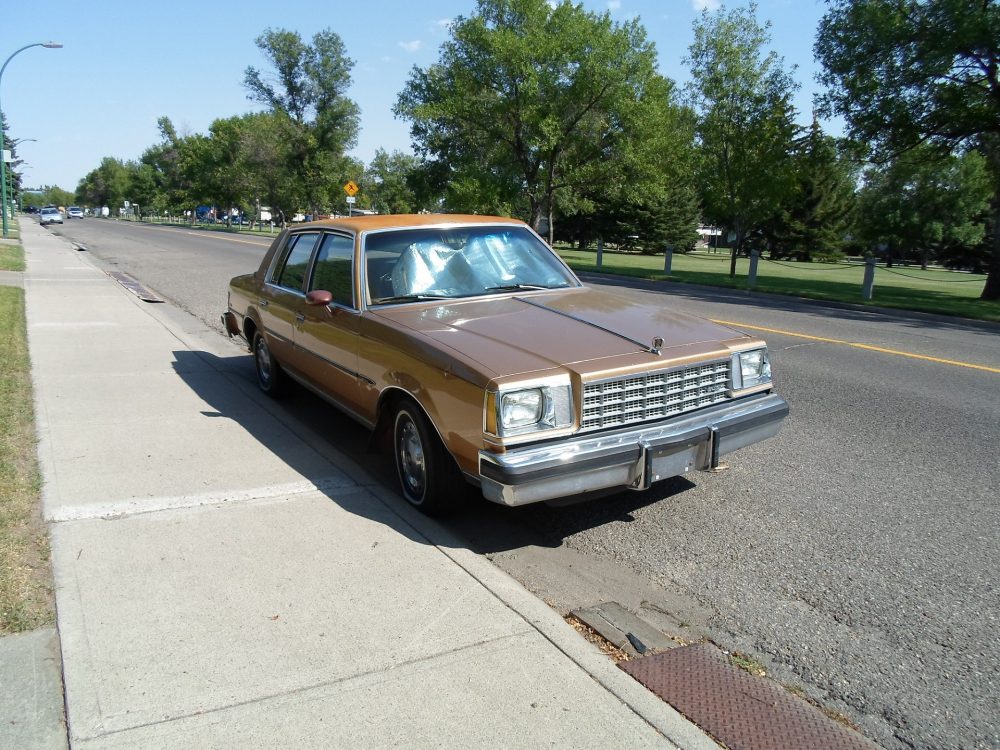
(334, 269)
(291, 271)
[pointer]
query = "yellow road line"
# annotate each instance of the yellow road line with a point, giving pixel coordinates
(882, 350)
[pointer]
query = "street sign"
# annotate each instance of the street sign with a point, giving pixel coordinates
(350, 188)
(351, 199)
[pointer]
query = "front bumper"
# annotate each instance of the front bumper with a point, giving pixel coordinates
(632, 458)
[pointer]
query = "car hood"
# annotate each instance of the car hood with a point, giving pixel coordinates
(582, 329)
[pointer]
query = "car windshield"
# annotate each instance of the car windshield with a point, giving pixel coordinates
(444, 263)
(50, 210)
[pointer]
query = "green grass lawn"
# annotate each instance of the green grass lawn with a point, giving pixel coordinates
(13, 230)
(11, 254)
(906, 288)
(25, 577)
(11, 258)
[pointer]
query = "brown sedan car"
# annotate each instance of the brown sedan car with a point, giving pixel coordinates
(469, 343)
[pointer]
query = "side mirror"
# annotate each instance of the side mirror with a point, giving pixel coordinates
(319, 297)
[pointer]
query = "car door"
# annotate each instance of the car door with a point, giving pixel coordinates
(283, 297)
(327, 335)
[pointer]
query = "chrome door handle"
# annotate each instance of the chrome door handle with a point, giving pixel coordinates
(300, 317)
(262, 302)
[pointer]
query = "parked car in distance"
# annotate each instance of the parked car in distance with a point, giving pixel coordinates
(466, 344)
(49, 215)
(74, 212)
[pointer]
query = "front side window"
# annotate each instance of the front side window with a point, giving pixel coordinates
(291, 271)
(334, 269)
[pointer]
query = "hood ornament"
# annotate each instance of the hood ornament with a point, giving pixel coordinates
(657, 345)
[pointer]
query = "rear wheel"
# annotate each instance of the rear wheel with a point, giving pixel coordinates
(428, 477)
(270, 378)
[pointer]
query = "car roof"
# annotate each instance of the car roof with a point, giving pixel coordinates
(371, 222)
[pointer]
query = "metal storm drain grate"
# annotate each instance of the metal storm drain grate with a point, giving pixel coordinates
(741, 711)
(133, 286)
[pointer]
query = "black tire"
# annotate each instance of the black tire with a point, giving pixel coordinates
(428, 477)
(270, 378)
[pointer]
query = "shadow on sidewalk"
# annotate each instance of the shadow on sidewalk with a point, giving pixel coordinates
(480, 526)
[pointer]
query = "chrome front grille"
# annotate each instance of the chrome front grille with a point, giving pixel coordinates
(654, 395)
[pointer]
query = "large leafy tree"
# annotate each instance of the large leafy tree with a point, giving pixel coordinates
(906, 72)
(231, 179)
(161, 162)
(108, 185)
(268, 165)
(745, 128)
(309, 89)
(659, 204)
(532, 103)
(926, 206)
(388, 182)
(49, 195)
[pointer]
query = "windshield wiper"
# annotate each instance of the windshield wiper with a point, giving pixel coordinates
(515, 288)
(409, 298)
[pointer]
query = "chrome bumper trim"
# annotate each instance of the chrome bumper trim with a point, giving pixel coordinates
(631, 458)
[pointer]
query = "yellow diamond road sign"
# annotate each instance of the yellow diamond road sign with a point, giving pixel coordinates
(350, 188)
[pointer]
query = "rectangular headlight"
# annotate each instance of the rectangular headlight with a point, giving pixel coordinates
(522, 411)
(751, 368)
(521, 408)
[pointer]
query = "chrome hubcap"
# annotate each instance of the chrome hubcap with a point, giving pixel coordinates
(263, 362)
(411, 458)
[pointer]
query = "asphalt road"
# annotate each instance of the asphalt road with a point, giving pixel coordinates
(854, 556)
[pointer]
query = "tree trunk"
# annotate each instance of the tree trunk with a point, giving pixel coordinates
(537, 207)
(992, 289)
(552, 226)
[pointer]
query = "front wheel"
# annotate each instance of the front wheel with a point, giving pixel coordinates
(428, 477)
(270, 378)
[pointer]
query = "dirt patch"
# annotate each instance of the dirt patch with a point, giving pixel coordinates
(597, 639)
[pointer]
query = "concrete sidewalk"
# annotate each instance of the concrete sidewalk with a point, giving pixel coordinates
(224, 580)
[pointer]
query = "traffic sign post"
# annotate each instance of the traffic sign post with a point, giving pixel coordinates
(351, 189)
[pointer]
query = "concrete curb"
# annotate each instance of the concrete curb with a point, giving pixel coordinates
(551, 625)
(31, 695)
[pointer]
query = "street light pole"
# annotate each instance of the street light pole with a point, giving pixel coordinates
(3, 161)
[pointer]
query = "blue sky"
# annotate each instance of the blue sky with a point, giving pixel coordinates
(125, 64)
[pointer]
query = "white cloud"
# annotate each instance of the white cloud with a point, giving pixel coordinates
(614, 5)
(700, 5)
(413, 46)
(444, 24)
